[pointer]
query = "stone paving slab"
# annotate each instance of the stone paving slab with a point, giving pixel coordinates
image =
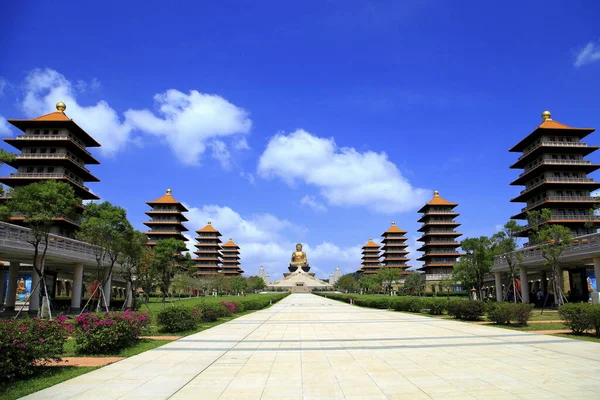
(309, 347)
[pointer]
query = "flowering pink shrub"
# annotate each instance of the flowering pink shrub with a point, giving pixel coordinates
(27, 343)
(231, 307)
(106, 333)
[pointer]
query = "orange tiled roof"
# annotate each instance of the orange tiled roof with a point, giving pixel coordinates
(394, 229)
(552, 124)
(209, 228)
(371, 243)
(230, 244)
(53, 116)
(165, 199)
(438, 201)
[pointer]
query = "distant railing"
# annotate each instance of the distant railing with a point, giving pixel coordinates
(58, 243)
(47, 175)
(579, 243)
(557, 180)
(61, 216)
(437, 277)
(51, 138)
(555, 144)
(63, 156)
(550, 161)
(560, 198)
(440, 212)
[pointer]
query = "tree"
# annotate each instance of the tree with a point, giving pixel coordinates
(447, 285)
(147, 277)
(369, 283)
(552, 241)
(506, 245)
(182, 283)
(133, 254)
(386, 277)
(413, 283)
(475, 263)
(40, 203)
(255, 283)
(346, 283)
(105, 226)
(238, 284)
(166, 254)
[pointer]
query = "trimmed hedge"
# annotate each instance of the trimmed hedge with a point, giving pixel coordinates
(579, 317)
(470, 310)
(507, 313)
(178, 319)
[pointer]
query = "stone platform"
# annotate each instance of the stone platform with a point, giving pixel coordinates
(300, 282)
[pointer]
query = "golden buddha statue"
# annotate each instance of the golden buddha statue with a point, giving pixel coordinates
(21, 288)
(299, 260)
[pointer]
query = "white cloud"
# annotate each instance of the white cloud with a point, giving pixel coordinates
(589, 54)
(45, 88)
(250, 177)
(267, 240)
(311, 202)
(188, 121)
(4, 128)
(345, 176)
(220, 153)
(2, 86)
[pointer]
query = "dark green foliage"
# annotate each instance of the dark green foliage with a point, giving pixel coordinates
(382, 303)
(212, 312)
(580, 317)
(506, 313)
(178, 319)
(468, 310)
(435, 306)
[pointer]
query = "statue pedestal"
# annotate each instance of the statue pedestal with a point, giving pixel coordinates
(300, 281)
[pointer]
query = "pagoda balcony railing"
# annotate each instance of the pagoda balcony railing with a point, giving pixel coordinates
(170, 230)
(556, 144)
(557, 180)
(62, 216)
(437, 277)
(47, 175)
(46, 156)
(560, 198)
(441, 242)
(437, 230)
(173, 220)
(550, 161)
(440, 221)
(51, 138)
(439, 212)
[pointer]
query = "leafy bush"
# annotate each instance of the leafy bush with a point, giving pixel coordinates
(107, 333)
(415, 304)
(499, 313)
(27, 343)
(435, 306)
(373, 302)
(178, 319)
(520, 313)
(469, 310)
(577, 316)
(231, 307)
(594, 318)
(212, 312)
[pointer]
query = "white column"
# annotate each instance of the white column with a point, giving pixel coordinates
(524, 285)
(128, 296)
(2, 286)
(596, 298)
(11, 293)
(107, 288)
(76, 287)
(34, 297)
(498, 279)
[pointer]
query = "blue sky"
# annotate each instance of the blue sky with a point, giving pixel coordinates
(318, 121)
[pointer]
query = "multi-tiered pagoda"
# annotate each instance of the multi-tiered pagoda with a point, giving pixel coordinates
(394, 248)
(208, 252)
(230, 259)
(166, 219)
(53, 146)
(439, 239)
(555, 176)
(370, 258)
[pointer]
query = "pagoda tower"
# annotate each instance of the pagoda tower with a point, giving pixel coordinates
(371, 258)
(555, 176)
(439, 239)
(53, 146)
(231, 259)
(394, 248)
(166, 219)
(208, 251)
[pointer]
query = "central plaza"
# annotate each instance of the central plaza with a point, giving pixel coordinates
(310, 347)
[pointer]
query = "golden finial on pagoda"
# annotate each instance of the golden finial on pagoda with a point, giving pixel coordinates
(546, 115)
(436, 193)
(209, 222)
(370, 239)
(60, 106)
(393, 223)
(231, 239)
(168, 192)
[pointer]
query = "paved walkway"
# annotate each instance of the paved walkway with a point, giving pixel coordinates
(309, 347)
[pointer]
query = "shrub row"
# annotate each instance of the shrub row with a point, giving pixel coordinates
(27, 343)
(579, 317)
(183, 318)
(507, 313)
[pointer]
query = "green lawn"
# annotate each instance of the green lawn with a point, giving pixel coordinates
(139, 347)
(155, 304)
(44, 378)
(587, 337)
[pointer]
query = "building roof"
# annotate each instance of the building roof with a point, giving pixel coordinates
(56, 119)
(230, 244)
(547, 125)
(371, 244)
(167, 199)
(437, 201)
(208, 228)
(393, 229)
